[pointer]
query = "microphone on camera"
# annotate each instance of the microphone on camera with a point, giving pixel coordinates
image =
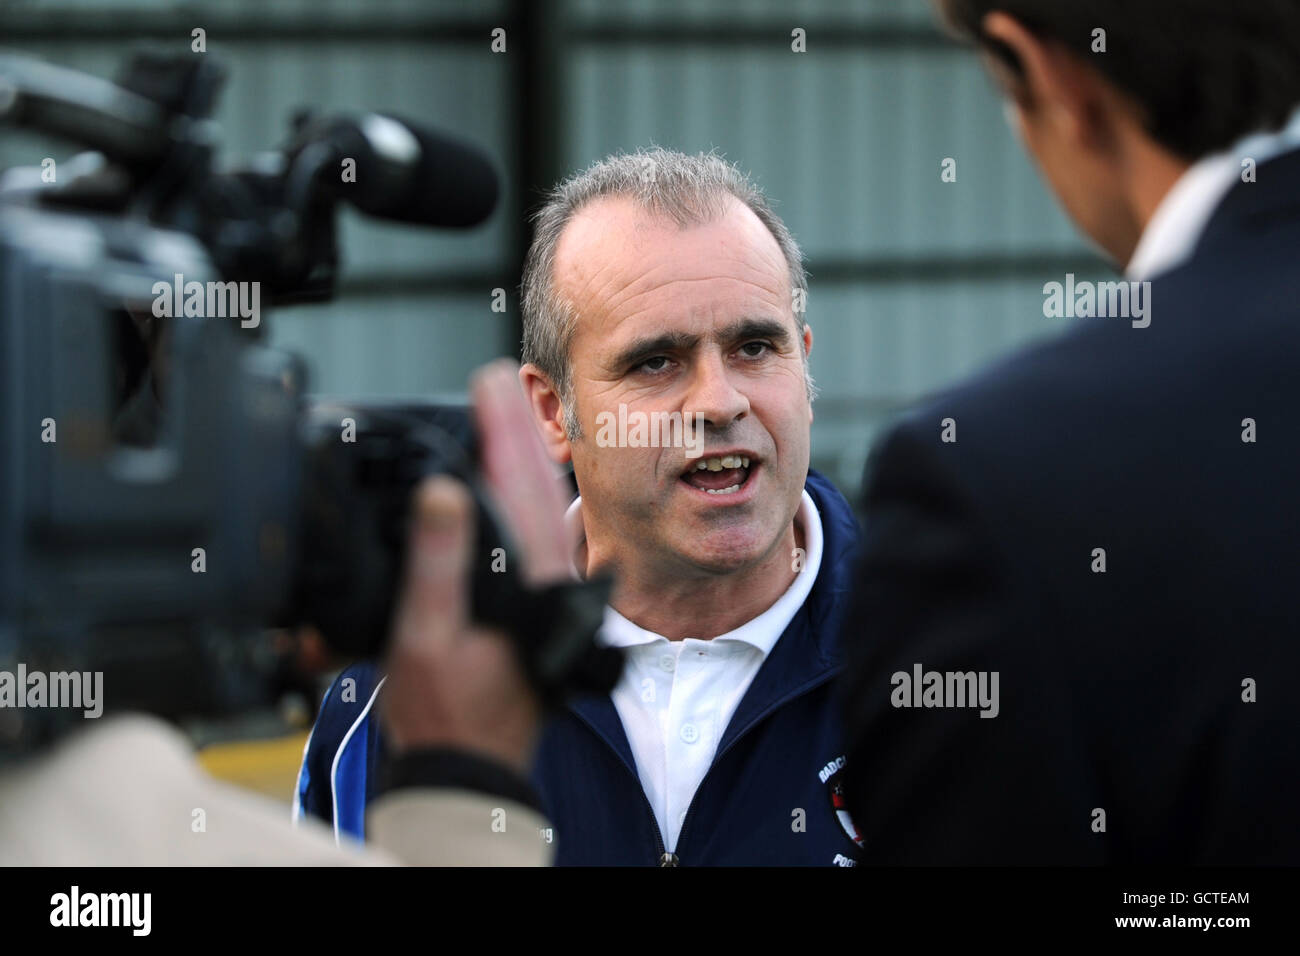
(403, 172)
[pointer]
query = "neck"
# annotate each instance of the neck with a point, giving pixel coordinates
(1148, 173)
(699, 604)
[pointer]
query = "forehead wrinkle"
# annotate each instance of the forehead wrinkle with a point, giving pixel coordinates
(623, 305)
(725, 249)
(616, 356)
(703, 311)
(605, 286)
(649, 284)
(570, 270)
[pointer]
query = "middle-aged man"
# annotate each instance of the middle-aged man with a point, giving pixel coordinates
(666, 357)
(1107, 523)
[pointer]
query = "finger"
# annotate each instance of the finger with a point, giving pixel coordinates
(506, 425)
(434, 607)
(522, 478)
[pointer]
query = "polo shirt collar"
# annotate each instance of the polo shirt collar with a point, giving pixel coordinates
(763, 631)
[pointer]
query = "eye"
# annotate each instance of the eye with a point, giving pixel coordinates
(755, 349)
(657, 364)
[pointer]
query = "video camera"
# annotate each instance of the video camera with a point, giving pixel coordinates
(167, 490)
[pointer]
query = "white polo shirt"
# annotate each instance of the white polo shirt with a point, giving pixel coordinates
(675, 698)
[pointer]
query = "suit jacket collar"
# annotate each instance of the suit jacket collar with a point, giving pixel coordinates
(1255, 207)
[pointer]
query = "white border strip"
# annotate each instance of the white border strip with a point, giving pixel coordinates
(334, 767)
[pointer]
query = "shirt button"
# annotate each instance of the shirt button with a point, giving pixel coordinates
(690, 733)
(668, 663)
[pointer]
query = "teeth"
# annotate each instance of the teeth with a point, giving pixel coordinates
(723, 491)
(717, 464)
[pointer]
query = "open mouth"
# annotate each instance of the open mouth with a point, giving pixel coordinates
(720, 475)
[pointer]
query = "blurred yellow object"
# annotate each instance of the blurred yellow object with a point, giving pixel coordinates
(263, 766)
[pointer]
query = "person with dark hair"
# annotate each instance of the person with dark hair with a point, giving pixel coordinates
(1198, 77)
(1074, 628)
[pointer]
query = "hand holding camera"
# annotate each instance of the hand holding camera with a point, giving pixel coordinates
(452, 681)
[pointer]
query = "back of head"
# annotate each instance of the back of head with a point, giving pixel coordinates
(1204, 73)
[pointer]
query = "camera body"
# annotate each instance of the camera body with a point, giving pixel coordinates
(168, 491)
(145, 556)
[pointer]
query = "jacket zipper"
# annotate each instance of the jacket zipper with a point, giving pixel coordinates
(664, 858)
(671, 859)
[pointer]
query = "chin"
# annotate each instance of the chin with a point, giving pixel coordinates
(728, 550)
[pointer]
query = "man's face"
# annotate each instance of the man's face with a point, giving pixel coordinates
(688, 321)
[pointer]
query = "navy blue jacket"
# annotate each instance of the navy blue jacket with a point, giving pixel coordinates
(772, 796)
(1127, 687)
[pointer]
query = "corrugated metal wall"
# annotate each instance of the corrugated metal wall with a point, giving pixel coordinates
(914, 281)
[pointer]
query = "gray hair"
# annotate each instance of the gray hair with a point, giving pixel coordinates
(688, 190)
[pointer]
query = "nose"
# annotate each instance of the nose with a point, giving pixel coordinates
(713, 393)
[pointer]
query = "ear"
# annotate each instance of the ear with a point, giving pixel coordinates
(807, 353)
(1053, 85)
(548, 412)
